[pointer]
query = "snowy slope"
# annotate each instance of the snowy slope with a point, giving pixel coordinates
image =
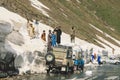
(42, 8)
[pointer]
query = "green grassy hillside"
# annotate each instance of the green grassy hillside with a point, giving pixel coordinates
(104, 14)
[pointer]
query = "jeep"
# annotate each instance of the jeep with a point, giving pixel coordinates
(59, 59)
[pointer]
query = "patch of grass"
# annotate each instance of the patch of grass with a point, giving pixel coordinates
(108, 11)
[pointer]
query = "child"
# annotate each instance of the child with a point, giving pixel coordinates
(43, 36)
(54, 39)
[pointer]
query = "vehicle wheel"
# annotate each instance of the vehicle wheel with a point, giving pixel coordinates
(49, 57)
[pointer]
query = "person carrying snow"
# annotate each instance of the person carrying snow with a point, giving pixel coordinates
(72, 35)
(54, 39)
(43, 36)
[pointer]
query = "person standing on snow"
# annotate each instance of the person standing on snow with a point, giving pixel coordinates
(31, 31)
(49, 44)
(36, 29)
(43, 36)
(58, 34)
(28, 26)
(72, 36)
(54, 39)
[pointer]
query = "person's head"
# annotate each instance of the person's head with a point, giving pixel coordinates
(54, 32)
(31, 24)
(56, 27)
(72, 27)
(49, 31)
(43, 31)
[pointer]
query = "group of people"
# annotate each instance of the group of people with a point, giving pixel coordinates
(53, 38)
(79, 61)
(96, 57)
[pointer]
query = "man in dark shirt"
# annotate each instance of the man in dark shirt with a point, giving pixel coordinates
(58, 33)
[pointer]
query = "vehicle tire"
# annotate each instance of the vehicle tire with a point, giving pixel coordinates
(49, 57)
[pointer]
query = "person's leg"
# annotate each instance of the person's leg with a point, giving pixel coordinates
(82, 68)
(52, 43)
(71, 39)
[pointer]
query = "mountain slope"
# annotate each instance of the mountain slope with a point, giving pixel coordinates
(92, 18)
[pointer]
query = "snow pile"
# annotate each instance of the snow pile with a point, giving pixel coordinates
(28, 46)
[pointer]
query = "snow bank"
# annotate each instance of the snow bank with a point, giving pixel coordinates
(28, 46)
